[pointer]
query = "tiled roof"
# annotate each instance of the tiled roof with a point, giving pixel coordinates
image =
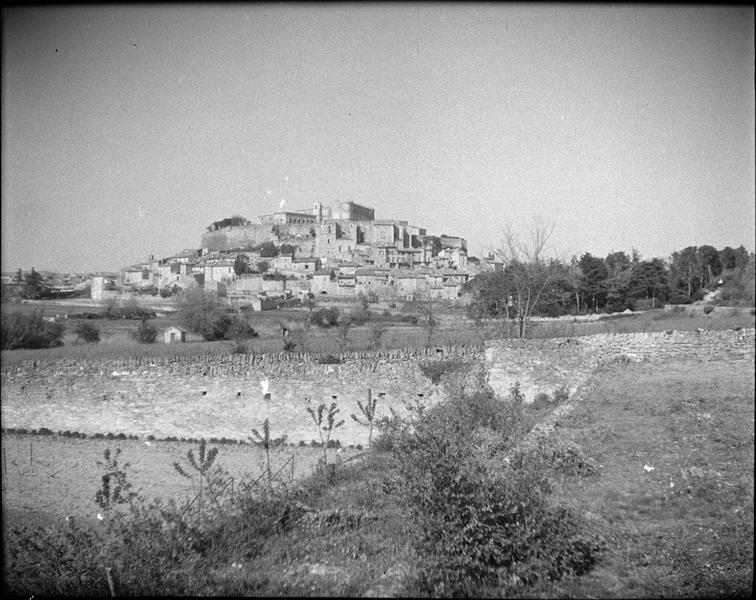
(185, 254)
(220, 263)
(368, 272)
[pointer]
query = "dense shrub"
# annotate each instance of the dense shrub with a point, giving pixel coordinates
(561, 395)
(239, 348)
(738, 287)
(87, 333)
(29, 331)
(200, 313)
(238, 329)
(478, 530)
(434, 369)
(329, 359)
(145, 333)
(359, 315)
(325, 317)
(542, 400)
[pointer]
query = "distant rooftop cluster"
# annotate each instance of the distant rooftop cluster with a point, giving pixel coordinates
(339, 250)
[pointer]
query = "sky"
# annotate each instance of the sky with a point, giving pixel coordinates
(127, 130)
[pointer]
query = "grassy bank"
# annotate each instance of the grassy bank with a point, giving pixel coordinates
(674, 492)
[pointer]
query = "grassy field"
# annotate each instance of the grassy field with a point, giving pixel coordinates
(674, 492)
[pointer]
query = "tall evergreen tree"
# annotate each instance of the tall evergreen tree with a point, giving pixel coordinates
(595, 275)
(33, 284)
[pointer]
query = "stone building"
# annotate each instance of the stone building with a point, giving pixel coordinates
(351, 211)
(173, 335)
(289, 218)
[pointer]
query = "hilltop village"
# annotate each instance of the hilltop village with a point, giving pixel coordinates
(325, 251)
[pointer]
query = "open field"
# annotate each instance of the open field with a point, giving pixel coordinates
(50, 477)
(675, 488)
(454, 328)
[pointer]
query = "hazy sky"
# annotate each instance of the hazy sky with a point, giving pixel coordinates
(126, 130)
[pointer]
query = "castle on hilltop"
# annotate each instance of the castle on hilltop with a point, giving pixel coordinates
(346, 232)
(338, 250)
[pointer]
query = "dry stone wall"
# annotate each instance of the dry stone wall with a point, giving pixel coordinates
(217, 395)
(223, 395)
(542, 366)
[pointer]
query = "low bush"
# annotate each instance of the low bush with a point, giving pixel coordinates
(130, 309)
(561, 395)
(87, 333)
(435, 369)
(239, 348)
(541, 401)
(329, 359)
(145, 333)
(325, 317)
(239, 329)
(359, 315)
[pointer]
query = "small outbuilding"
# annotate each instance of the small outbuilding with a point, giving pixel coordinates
(174, 334)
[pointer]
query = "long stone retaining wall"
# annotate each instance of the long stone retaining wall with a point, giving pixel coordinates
(224, 395)
(218, 395)
(545, 365)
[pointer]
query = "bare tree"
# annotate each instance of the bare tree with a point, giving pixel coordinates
(344, 324)
(526, 271)
(427, 313)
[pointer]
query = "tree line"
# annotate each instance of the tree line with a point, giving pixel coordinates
(528, 284)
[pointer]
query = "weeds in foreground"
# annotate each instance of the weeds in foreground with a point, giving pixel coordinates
(326, 424)
(267, 443)
(202, 468)
(368, 413)
(463, 526)
(115, 488)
